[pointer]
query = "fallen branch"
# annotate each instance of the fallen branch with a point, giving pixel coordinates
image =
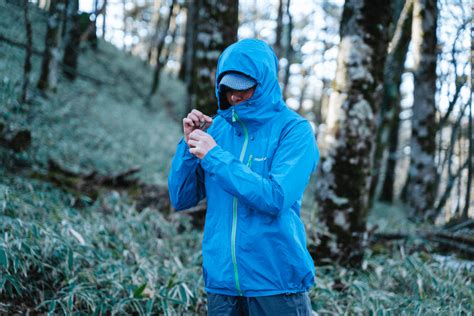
(445, 239)
(467, 224)
(93, 183)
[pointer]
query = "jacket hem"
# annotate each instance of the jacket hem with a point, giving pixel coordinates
(253, 293)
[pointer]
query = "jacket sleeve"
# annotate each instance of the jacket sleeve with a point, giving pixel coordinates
(186, 179)
(293, 162)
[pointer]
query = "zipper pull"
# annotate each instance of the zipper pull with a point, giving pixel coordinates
(249, 163)
(234, 115)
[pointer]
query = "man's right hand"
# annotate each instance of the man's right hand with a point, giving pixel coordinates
(193, 121)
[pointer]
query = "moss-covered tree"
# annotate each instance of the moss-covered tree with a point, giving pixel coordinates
(345, 168)
(421, 184)
(72, 39)
(387, 134)
(215, 28)
(28, 53)
(49, 67)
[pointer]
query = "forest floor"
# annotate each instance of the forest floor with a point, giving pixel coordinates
(64, 250)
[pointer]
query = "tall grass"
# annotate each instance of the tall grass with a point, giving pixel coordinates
(106, 258)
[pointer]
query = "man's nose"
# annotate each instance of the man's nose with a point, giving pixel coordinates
(236, 98)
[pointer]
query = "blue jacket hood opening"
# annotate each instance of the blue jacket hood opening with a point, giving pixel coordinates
(256, 59)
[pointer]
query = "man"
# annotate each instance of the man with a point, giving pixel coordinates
(252, 164)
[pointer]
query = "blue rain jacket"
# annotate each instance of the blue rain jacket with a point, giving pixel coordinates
(254, 241)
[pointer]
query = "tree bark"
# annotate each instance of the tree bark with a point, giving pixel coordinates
(104, 18)
(174, 32)
(190, 52)
(28, 53)
(279, 29)
(73, 40)
(187, 39)
(388, 130)
(344, 178)
(156, 27)
(216, 28)
(289, 51)
(159, 48)
(49, 67)
(470, 158)
(421, 185)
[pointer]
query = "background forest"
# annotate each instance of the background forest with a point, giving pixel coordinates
(92, 93)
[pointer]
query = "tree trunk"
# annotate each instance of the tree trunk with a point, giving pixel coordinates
(159, 48)
(216, 28)
(470, 158)
(73, 40)
(421, 186)
(187, 39)
(156, 27)
(190, 52)
(394, 67)
(28, 53)
(388, 187)
(279, 29)
(49, 67)
(104, 16)
(289, 52)
(344, 178)
(174, 32)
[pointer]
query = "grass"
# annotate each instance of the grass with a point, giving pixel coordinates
(105, 258)
(110, 258)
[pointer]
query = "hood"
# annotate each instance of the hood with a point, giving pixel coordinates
(256, 59)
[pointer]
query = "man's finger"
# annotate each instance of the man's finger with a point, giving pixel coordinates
(192, 142)
(193, 150)
(188, 121)
(197, 134)
(198, 113)
(202, 117)
(195, 118)
(208, 118)
(194, 137)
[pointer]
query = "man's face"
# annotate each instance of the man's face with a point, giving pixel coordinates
(236, 96)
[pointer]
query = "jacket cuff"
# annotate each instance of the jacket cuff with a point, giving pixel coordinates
(212, 159)
(183, 151)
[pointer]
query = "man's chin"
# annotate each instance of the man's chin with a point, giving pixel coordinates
(226, 106)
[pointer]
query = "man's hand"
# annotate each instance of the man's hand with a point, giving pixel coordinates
(200, 143)
(192, 122)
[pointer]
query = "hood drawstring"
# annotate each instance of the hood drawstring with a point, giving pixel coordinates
(234, 116)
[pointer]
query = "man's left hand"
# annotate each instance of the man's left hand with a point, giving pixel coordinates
(200, 143)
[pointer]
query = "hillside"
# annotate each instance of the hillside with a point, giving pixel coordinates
(64, 252)
(97, 122)
(60, 249)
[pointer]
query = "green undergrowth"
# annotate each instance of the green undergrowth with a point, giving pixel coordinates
(110, 258)
(400, 284)
(105, 258)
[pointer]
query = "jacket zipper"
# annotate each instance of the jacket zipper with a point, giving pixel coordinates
(235, 118)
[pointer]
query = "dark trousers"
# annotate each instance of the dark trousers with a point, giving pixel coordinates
(296, 304)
